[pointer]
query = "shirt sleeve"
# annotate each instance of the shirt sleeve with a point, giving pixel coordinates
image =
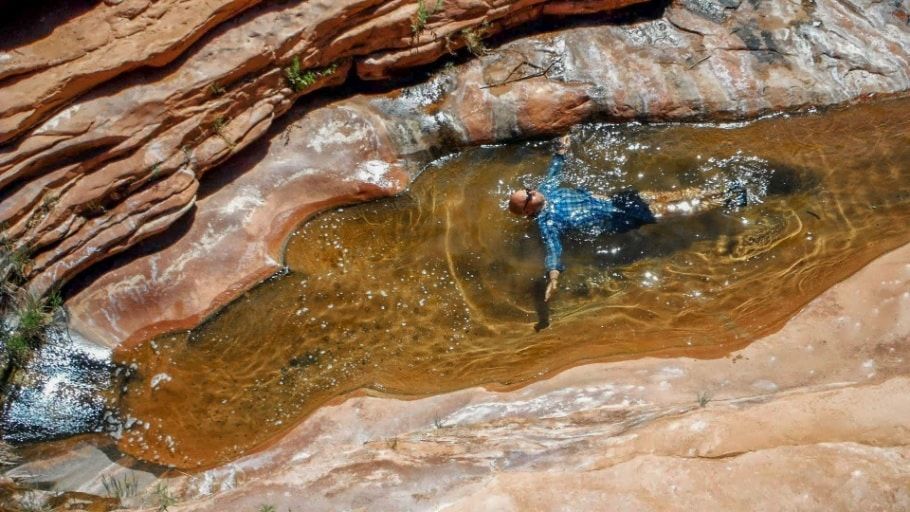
(550, 236)
(554, 173)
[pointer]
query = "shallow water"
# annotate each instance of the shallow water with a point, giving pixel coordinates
(440, 288)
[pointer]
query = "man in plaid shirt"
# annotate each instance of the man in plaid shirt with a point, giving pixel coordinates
(558, 210)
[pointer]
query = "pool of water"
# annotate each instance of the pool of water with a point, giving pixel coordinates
(440, 288)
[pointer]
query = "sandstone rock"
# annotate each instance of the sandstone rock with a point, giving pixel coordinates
(628, 435)
(68, 179)
(332, 156)
(681, 66)
(96, 46)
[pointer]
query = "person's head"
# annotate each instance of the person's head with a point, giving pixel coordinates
(526, 202)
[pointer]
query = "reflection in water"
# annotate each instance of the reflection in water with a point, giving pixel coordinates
(57, 394)
(439, 289)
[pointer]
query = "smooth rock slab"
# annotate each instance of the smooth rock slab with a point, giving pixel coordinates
(627, 435)
(235, 237)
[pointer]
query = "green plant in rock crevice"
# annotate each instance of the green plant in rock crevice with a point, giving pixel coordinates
(15, 264)
(301, 80)
(216, 90)
(120, 488)
(162, 497)
(422, 15)
(218, 127)
(33, 317)
(473, 39)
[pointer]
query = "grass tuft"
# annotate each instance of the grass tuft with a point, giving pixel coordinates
(422, 15)
(120, 488)
(162, 497)
(33, 317)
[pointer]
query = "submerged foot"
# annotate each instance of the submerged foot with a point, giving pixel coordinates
(735, 196)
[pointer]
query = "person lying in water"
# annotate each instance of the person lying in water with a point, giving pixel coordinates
(559, 210)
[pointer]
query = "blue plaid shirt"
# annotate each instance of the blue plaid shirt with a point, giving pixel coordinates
(568, 209)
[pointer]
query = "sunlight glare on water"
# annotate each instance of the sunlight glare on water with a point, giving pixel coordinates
(440, 288)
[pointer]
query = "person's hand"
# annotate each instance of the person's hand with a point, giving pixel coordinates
(564, 144)
(552, 283)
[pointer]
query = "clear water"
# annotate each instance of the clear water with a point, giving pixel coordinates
(440, 288)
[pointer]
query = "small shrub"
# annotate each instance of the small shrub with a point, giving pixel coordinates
(53, 301)
(473, 38)
(18, 348)
(20, 264)
(474, 42)
(14, 263)
(218, 128)
(32, 317)
(703, 397)
(267, 508)
(218, 125)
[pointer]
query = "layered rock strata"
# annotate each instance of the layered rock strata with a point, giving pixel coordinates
(696, 61)
(124, 161)
(813, 417)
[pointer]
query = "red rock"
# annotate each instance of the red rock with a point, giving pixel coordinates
(781, 429)
(125, 135)
(331, 156)
(111, 39)
(650, 69)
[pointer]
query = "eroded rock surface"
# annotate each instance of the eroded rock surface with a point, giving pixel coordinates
(813, 417)
(235, 236)
(741, 61)
(96, 46)
(123, 162)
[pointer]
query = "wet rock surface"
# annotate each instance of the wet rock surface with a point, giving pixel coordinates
(810, 418)
(753, 60)
(59, 392)
(122, 162)
(102, 152)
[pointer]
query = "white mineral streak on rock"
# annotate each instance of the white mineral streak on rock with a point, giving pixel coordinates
(159, 379)
(374, 172)
(551, 405)
(246, 201)
(62, 117)
(338, 134)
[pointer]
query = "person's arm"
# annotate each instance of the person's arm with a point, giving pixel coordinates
(553, 261)
(552, 284)
(554, 172)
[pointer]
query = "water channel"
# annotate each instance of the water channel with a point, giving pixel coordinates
(440, 288)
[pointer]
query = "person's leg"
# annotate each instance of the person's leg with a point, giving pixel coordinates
(674, 203)
(688, 201)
